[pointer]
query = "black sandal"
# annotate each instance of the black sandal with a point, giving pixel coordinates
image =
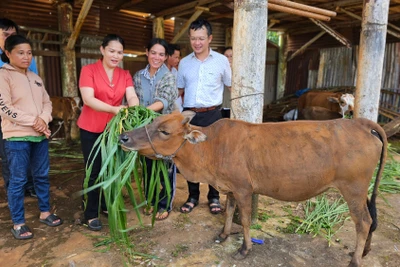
(214, 204)
(189, 208)
(18, 233)
(93, 225)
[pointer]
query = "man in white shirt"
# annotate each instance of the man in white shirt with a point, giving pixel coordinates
(202, 76)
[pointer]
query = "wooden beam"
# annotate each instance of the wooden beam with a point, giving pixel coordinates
(392, 127)
(183, 7)
(303, 7)
(124, 4)
(79, 22)
(220, 16)
(304, 47)
(298, 12)
(332, 32)
(185, 27)
(351, 14)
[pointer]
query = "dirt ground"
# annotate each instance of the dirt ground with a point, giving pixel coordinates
(181, 240)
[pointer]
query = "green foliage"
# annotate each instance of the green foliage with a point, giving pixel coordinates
(179, 249)
(256, 227)
(273, 37)
(118, 169)
(391, 175)
(322, 217)
(291, 228)
(263, 216)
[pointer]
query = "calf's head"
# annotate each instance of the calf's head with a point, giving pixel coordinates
(164, 136)
(346, 103)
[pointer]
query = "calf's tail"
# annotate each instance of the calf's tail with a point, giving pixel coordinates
(379, 133)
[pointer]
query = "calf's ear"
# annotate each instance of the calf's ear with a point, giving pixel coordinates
(187, 116)
(195, 137)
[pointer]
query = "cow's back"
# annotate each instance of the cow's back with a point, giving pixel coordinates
(278, 158)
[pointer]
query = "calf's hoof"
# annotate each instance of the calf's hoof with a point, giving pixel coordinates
(220, 238)
(240, 255)
(366, 251)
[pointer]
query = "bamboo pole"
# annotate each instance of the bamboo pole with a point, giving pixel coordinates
(303, 7)
(298, 12)
(332, 32)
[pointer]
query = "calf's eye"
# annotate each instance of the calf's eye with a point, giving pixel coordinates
(164, 132)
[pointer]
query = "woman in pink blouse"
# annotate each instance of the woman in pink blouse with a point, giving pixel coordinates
(102, 85)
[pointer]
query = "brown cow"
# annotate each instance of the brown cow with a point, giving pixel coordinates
(289, 161)
(319, 113)
(66, 109)
(337, 102)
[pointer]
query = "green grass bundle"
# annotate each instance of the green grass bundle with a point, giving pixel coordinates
(119, 168)
(323, 217)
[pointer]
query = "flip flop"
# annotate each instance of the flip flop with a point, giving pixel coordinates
(189, 208)
(18, 233)
(214, 204)
(148, 210)
(160, 213)
(51, 219)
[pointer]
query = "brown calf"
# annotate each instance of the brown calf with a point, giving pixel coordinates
(289, 161)
(337, 102)
(66, 109)
(319, 114)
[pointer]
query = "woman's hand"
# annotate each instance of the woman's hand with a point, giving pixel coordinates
(118, 108)
(39, 125)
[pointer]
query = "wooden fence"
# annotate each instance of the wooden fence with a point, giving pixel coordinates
(389, 104)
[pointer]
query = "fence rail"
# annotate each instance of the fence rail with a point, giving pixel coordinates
(389, 104)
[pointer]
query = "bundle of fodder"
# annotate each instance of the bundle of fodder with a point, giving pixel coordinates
(120, 169)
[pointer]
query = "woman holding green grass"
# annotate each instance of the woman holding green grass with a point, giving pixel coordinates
(156, 88)
(103, 85)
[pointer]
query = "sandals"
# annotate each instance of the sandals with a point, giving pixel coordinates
(51, 219)
(94, 225)
(161, 214)
(189, 208)
(214, 204)
(148, 210)
(18, 233)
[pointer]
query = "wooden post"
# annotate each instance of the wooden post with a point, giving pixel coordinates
(68, 61)
(158, 27)
(282, 66)
(371, 54)
(37, 46)
(249, 52)
(228, 37)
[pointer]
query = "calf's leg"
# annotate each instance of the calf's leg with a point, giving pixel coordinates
(230, 209)
(357, 202)
(244, 205)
